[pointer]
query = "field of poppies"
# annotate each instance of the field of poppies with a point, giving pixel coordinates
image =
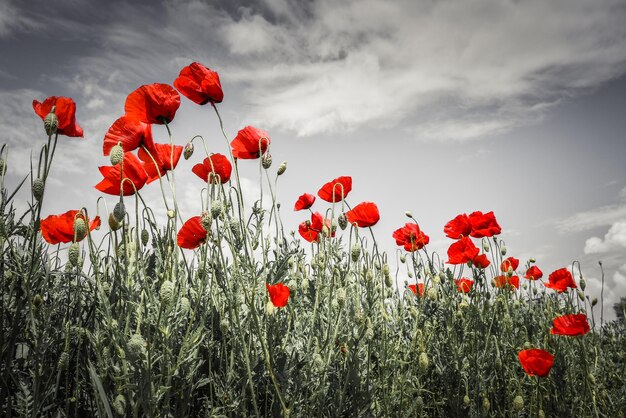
(229, 313)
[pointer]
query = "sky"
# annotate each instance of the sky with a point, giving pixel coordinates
(437, 107)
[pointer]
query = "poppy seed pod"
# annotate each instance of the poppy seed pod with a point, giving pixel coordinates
(188, 151)
(117, 154)
(282, 168)
(266, 160)
(38, 188)
(51, 122)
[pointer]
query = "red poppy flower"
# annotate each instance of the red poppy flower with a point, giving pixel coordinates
(199, 84)
(250, 143)
(510, 262)
(279, 294)
(481, 261)
(483, 225)
(458, 227)
(560, 280)
(162, 155)
(57, 229)
(133, 170)
(215, 168)
(502, 281)
(533, 273)
(153, 103)
(417, 287)
(65, 111)
(462, 251)
(364, 214)
(304, 202)
(310, 230)
(336, 190)
(130, 133)
(570, 325)
(464, 285)
(410, 237)
(192, 234)
(536, 362)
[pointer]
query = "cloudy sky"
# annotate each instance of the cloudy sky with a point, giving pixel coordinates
(438, 107)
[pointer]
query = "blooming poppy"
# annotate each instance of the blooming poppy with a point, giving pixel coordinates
(250, 143)
(464, 285)
(133, 170)
(410, 237)
(510, 262)
(192, 234)
(65, 111)
(336, 190)
(130, 133)
(483, 225)
(462, 251)
(279, 294)
(571, 325)
(560, 280)
(199, 84)
(536, 362)
(481, 261)
(159, 159)
(533, 273)
(502, 281)
(214, 168)
(458, 227)
(417, 287)
(304, 202)
(310, 230)
(364, 214)
(153, 103)
(57, 229)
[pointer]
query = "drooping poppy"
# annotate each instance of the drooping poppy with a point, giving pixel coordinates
(418, 287)
(304, 202)
(57, 229)
(571, 325)
(130, 133)
(464, 285)
(65, 111)
(462, 251)
(364, 215)
(279, 294)
(250, 143)
(214, 169)
(411, 237)
(504, 280)
(560, 280)
(133, 170)
(458, 227)
(510, 262)
(192, 234)
(533, 273)
(199, 84)
(483, 225)
(310, 230)
(536, 362)
(153, 103)
(336, 190)
(481, 261)
(159, 159)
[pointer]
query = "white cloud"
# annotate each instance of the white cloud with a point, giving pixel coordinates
(614, 289)
(583, 221)
(615, 238)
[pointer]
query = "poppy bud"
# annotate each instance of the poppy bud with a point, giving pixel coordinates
(166, 293)
(594, 302)
(486, 404)
(343, 221)
(113, 223)
(80, 229)
(410, 274)
(37, 300)
(270, 309)
(63, 360)
(582, 283)
(282, 168)
(518, 403)
(581, 295)
(119, 405)
(117, 154)
(184, 306)
(591, 378)
(205, 221)
(503, 250)
(188, 150)
(466, 400)
(423, 362)
(233, 224)
(171, 214)
(51, 122)
(377, 265)
(486, 246)
(402, 258)
(432, 293)
(136, 346)
(355, 252)
(532, 259)
(38, 188)
(73, 253)
(541, 414)
(216, 209)
(408, 214)
(266, 160)
(145, 237)
(119, 211)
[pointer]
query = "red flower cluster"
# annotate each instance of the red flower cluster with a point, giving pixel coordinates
(560, 280)
(57, 229)
(279, 294)
(476, 224)
(536, 362)
(410, 237)
(65, 111)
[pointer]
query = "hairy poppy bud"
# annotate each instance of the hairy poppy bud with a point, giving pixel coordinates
(408, 214)
(80, 229)
(423, 362)
(402, 258)
(136, 346)
(594, 302)
(486, 246)
(486, 404)
(119, 211)
(38, 188)
(355, 252)
(581, 295)
(532, 259)
(216, 209)
(466, 400)
(282, 168)
(582, 283)
(37, 300)
(233, 224)
(119, 405)
(518, 403)
(117, 154)
(166, 293)
(343, 221)
(51, 122)
(266, 160)
(145, 237)
(113, 223)
(503, 250)
(171, 214)
(541, 414)
(184, 305)
(432, 293)
(63, 360)
(73, 253)
(205, 221)
(188, 150)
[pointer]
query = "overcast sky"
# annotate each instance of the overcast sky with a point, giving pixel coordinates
(438, 107)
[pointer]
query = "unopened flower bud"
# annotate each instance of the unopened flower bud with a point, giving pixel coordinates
(408, 214)
(582, 283)
(466, 400)
(119, 211)
(282, 168)
(3, 167)
(518, 403)
(188, 150)
(486, 404)
(80, 229)
(423, 362)
(51, 122)
(166, 293)
(581, 295)
(205, 221)
(343, 221)
(216, 209)
(486, 246)
(113, 223)
(73, 253)
(402, 258)
(266, 160)
(119, 405)
(432, 293)
(184, 305)
(38, 188)
(171, 214)
(594, 301)
(37, 300)
(503, 250)
(136, 346)
(532, 260)
(355, 252)
(145, 237)
(117, 154)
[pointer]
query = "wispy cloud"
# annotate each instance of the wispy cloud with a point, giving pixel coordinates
(12, 19)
